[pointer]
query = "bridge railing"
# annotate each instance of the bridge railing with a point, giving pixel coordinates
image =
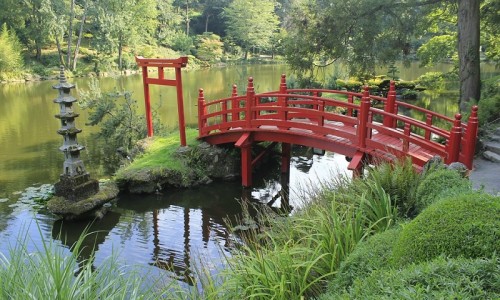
(344, 114)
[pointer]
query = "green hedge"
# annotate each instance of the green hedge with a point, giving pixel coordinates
(437, 183)
(467, 225)
(439, 279)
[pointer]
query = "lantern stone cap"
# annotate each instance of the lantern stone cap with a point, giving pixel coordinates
(63, 83)
(71, 148)
(67, 115)
(65, 99)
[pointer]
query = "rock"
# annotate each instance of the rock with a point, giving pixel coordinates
(88, 208)
(217, 162)
(459, 167)
(433, 163)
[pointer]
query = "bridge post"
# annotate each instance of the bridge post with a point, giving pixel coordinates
(245, 144)
(363, 118)
(202, 111)
(389, 105)
(249, 114)
(428, 122)
(350, 100)
(471, 138)
(453, 147)
(235, 104)
(282, 101)
(285, 157)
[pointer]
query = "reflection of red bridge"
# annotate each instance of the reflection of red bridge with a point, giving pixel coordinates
(338, 121)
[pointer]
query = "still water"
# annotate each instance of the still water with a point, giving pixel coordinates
(170, 231)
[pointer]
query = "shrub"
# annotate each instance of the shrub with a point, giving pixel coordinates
(439, 279)
(438, 183)
(465, 225)
(368, 256)
(209, 47)
(400, 181)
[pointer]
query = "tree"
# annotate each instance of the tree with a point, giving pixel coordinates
(468, 51)
(365, 32)
(122, 23)
(251, 23)
(10, 51)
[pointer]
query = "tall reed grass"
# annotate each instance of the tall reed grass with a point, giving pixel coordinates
(50, 272)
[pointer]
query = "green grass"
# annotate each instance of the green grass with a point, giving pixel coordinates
(161, 152)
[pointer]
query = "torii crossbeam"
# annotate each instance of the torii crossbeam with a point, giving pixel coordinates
(161, 64)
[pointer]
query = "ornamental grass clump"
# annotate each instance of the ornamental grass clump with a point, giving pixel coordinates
(295, 257)
(460, 226)
(52, 272)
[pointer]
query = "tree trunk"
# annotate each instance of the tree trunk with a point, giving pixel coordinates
(80, 34)
(38, 54)
(120, 54)
(468, 51)
(187, 17)
(206, 22)
(70, 32)
(59, 50)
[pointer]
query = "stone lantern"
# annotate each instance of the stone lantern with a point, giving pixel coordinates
(75, 183)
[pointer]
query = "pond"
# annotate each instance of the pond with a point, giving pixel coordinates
(169, 231)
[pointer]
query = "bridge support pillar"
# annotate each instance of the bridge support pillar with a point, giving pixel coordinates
(357, 164)
(245, 144)
(285, 157)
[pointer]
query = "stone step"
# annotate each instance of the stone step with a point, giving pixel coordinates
(494, 137)
(497, 131)
(493, 146)
(491, 156)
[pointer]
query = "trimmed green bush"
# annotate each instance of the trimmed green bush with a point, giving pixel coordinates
(467, 225)
(438, 183)
(368, 256)
(439, 279)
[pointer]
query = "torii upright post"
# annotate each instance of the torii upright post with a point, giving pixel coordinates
(160, 63)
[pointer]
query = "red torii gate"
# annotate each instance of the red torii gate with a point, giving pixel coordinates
(162, 63)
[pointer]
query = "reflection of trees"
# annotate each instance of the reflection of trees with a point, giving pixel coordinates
(302, 158)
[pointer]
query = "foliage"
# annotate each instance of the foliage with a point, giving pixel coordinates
(363, 35)
(116, 114)
(440, 183)
(11, 59)
(489, 105)
(209, 47)
(400, 181)
(182, 43)
(458, 226)
(490, 31)
(251, 24)
(441, 278)
(436, 80)
(293, 258)
(368, 256)
(50, 272)
(438, 49)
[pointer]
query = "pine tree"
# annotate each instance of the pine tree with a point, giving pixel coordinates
(11, 59)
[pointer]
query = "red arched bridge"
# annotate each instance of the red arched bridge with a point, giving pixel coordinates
(361, 126)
